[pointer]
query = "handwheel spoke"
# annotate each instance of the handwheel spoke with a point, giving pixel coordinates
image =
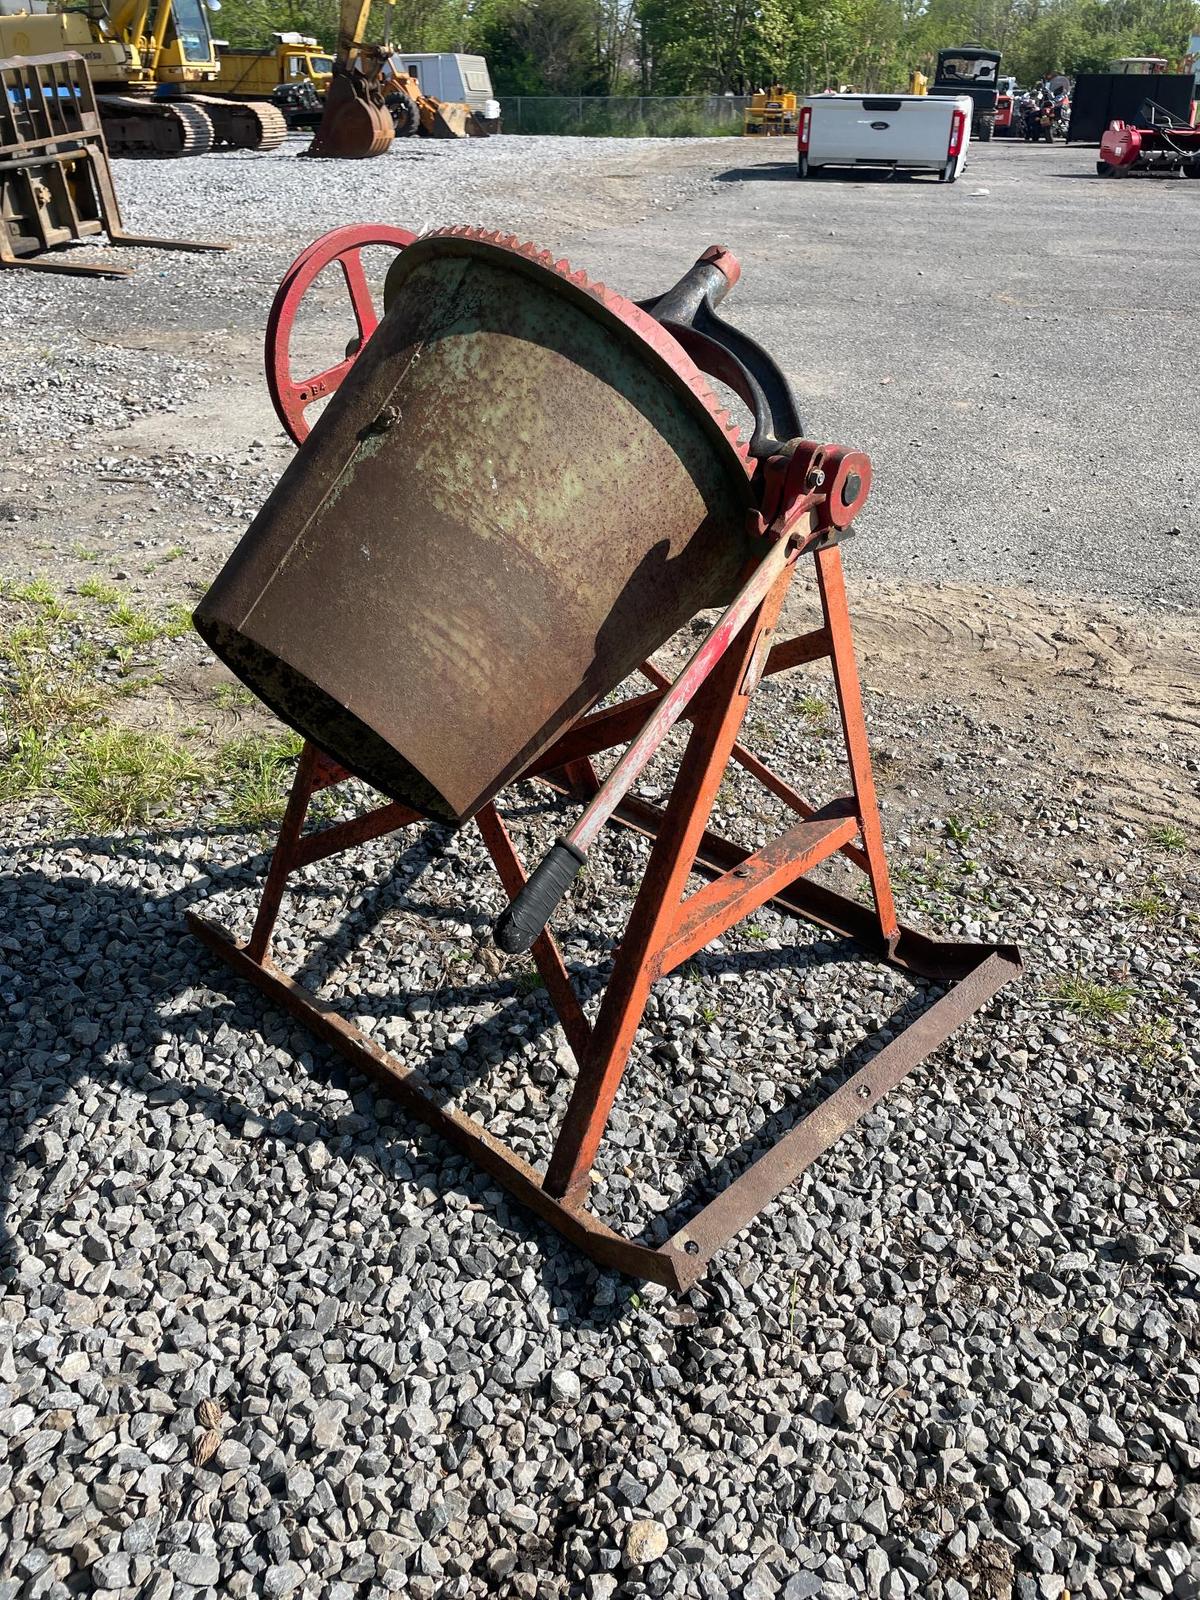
(345, 246)
(361, 299)
(321, 385)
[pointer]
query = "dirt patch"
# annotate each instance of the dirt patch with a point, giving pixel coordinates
(1114, 694)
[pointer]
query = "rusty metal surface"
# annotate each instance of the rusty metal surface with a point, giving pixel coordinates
(588, 1233)
(708, 912)
(433, 601)
(746, 1196)
(355, 124)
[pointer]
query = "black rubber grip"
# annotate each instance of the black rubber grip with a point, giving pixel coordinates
(520, 923)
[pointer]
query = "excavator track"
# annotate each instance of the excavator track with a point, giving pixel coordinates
(139, 126)
(244, 124)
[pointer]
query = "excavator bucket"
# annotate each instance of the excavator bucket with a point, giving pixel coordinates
(356, 123)
(445, 120)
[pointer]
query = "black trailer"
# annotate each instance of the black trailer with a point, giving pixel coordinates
(971, 70)
(1100, 98)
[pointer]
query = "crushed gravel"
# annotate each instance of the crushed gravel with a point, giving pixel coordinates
(260, 1336)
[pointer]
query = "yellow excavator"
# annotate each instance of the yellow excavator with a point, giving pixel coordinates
(370, 100)
(150, 61)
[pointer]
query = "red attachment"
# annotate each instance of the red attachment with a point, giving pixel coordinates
(724, 260)
(803, 129)
(1121, 145)
(291, 397)
(958, 127)
(825, 480)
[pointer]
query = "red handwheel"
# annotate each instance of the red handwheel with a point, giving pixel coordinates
(291, 397)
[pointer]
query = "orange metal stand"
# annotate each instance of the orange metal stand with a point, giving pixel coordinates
(665, 929)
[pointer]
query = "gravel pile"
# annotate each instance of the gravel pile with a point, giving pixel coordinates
(258, 1336)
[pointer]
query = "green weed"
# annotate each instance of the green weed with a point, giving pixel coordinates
(256, 773)
(1148, 904)
(98, 589)
(229, 695)
(1096, 1002)
(813, 709)
(115, 777)
(39, 594)
(1153, 1042)
(1168, 837)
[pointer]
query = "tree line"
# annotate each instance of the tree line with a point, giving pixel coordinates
(686, 47)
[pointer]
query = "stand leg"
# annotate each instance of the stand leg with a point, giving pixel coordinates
(845, 676)
(283, 858)
(718, 713)
(546, 954)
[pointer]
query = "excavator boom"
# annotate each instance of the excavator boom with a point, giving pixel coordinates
(355, 123)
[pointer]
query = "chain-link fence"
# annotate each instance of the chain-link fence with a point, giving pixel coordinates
(630, 116)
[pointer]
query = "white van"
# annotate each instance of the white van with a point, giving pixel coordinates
(906, 132)
(452, 78)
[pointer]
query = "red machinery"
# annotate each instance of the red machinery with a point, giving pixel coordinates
(1159, 144)
(440, 611)
(1004, 113)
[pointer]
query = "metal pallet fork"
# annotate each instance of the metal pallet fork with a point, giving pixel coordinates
(56, 186)
(772, 506)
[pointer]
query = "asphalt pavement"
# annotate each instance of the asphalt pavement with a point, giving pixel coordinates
(1018, 353)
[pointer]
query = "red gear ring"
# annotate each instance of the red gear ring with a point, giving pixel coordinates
(291, 398)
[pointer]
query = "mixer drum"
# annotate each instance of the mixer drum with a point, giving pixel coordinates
(523, 488)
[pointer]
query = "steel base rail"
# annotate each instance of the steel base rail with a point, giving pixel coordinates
(665, 928)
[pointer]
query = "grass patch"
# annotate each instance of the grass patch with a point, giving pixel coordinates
(229, 695)
(56, 740)
(47, 688)
(528, 982)
(136, 627)
(1096, 1002)
(1153, 1042)
(813, 709)
(39, 594)
(256, 773)
(115, 777)
(98, 589)
(1168, 837)
(1149, 904)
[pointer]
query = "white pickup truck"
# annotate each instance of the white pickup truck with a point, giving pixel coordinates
(906, 132)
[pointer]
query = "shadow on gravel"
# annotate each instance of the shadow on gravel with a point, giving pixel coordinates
(104, 974)
(761, 174)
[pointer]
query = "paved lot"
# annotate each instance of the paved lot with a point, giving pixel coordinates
(1016, 352)
(260, 1336)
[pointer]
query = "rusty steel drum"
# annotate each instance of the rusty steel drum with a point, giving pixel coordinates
(521, 490)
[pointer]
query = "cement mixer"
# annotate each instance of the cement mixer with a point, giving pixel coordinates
(442, 610)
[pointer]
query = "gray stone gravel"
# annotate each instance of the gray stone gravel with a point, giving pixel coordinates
(258, 1336)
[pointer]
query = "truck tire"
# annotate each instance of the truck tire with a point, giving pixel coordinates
(986, 124)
